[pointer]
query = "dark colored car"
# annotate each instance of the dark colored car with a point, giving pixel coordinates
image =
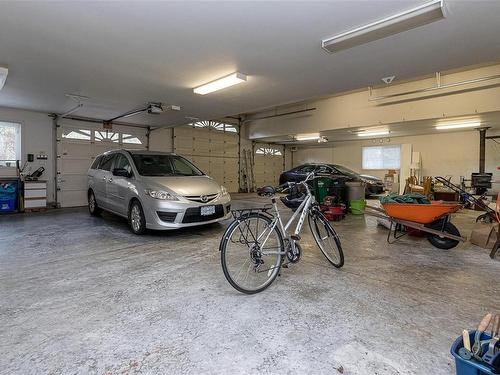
(374, 185)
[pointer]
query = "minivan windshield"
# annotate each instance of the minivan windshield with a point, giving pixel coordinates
(164, 165)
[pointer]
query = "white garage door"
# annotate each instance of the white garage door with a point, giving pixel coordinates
(268, 161)
(212, 149)
(77, 147)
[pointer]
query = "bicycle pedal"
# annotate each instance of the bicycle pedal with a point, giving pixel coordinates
(295, 237)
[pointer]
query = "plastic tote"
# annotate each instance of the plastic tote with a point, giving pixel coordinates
(357, 206)
(8, 203)
(8, 197)
(469, 367)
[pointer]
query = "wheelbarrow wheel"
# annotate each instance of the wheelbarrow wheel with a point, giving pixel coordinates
(443, 242)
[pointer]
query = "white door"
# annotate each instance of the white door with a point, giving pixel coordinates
(268, 164)
(77, 146)
(214, 151)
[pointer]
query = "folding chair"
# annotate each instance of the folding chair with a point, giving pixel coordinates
(497, 243)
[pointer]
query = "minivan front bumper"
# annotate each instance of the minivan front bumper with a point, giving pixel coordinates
(164, 215)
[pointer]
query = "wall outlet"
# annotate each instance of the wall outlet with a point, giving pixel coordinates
(42, 157)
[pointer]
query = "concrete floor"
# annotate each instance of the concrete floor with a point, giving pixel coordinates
(81, 295)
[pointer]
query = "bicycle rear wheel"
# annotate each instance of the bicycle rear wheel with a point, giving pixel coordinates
(251, 253)
(326, 238)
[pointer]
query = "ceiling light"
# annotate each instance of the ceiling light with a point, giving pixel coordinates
(374, 133)
(474, 124)
(397, 23)
(3, 76)
(307, 137)
(221, 83)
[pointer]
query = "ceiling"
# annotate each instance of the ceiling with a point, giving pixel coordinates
(122, 55)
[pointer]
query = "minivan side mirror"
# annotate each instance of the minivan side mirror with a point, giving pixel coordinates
(122, 172)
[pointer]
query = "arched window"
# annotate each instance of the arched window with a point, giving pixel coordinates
(216, 125)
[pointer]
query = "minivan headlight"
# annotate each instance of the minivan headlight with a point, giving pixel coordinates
(162, 195)
(223, 190)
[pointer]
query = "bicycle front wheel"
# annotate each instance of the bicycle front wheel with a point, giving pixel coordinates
(251, 253)
(326, 238)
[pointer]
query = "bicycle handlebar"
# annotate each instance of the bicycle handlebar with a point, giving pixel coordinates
(269, 190)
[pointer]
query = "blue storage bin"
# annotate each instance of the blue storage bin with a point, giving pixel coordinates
(8, 203)
(469, 367)
(7, 189)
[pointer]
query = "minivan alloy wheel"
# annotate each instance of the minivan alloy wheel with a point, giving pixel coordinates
(135, 218)
(92, 202)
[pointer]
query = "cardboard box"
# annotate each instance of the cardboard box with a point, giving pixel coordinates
(484, 235)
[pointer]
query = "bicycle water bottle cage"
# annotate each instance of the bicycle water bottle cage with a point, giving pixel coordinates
(267, 191)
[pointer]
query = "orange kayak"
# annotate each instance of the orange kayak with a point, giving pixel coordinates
(420, 213)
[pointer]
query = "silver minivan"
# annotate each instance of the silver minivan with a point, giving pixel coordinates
(155, 190)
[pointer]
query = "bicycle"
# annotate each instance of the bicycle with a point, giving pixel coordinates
(251, 258)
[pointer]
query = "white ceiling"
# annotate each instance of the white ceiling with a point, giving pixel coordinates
(123, 55)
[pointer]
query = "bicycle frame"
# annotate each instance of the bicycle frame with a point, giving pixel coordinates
(301, 213)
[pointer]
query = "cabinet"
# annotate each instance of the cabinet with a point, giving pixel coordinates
(35, 195)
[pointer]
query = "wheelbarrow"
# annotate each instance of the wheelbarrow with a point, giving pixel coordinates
(432, 219)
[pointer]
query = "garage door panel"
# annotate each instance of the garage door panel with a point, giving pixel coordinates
(231, 149)
(72, 181)
(216, 148)
(72, 198)
(217, 169)
(76, 156)
(100, 147)
(203, 163)
(184, 132)
(215, 152)
(201, 147)
(268, 164)
(74, 149)
(183, 145)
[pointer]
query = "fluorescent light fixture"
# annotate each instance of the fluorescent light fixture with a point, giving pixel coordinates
(307, 137)
(374, 133)
(221, 83)
(473, 124)
(397, 23)
(3, 76)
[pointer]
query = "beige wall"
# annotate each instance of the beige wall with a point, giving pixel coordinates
(356, 110)
(37, 137)
(455, 154)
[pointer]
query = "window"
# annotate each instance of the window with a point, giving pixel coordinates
(306, 169)
(106, 135)
(95, 164)
(131, 139)
(215, 125)
(382, 157)
(268, 151)
(10, 141)
(80, 134)
(121, 162)
(324, 169)
(106, 162)
(164, 165)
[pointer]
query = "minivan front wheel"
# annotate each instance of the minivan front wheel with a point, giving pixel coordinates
(136, 218)
(94, 209)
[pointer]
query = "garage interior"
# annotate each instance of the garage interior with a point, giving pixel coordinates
(403, 91)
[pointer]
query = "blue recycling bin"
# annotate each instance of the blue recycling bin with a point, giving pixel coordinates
(8, 196)
(469, 367)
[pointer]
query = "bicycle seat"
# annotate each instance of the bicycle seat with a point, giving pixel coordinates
(267, 191)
